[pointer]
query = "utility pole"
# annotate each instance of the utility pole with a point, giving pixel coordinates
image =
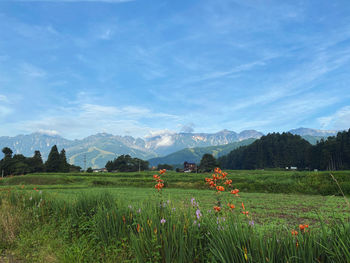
(84, 162)
(139, 166)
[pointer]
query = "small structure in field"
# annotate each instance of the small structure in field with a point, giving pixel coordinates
(189, 167)
(100, 170)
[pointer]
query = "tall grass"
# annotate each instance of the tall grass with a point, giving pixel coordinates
(98, 228)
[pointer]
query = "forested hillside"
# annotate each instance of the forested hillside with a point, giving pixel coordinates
(284, 150)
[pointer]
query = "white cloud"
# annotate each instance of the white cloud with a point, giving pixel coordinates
(32, 71)
(4, 98)
(48, 132)
(340, 120)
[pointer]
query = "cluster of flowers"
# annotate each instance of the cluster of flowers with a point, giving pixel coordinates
(160, 182)
(219, 182)
(302, 229)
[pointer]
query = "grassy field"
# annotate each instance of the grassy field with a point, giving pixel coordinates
(73, 208)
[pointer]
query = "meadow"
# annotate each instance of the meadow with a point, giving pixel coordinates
(122, 218)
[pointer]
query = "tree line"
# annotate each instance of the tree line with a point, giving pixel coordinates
(277, 150)
(125, 163)
(19, 164)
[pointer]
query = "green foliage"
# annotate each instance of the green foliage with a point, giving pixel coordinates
(101, 228)
(284, 150)
(208, 163)
(167, 167)
(53, 163)
(125, 163)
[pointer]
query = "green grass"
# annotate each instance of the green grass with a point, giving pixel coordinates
(95, 218)
(256, 181)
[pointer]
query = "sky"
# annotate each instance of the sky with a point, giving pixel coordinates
(140, 67)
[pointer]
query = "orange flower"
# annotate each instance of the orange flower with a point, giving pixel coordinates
(162, 171)
(245, 213)
(212, 184)
(243, 206)
(235, 192)
(22, 186)
(156, 176)
(224, 174)
(217, 170)
(220, 188)
(232, 206)
(302, 227)
(228, 182)
(208, 180)
(217, 208)
(159, 186)
(138, 228)
(294, 232)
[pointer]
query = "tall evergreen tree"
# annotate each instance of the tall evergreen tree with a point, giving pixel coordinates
(36, 163)
(53, 163)
(64, 166)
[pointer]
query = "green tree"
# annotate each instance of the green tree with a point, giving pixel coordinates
(53, 163)
(208, 163)
(89, 170)
(64, 166)
(165, 166)
(7, 152)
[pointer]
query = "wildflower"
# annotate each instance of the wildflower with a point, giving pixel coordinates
(156, 176)
(220, 188)
(232, 206)
(159, 186)
(302, 227)
(30, 198)
(217, 170)
(243, 206)
(130, 207)
(173, 209)
(22, 186)
(162, 221)
(294, 232)
(155, 230)
(193, 202)
(217, 208)
(251, 223)
(228, 182)
(138, 228)
(198, 213)
(235, 192)
(139, 211)
(245, 213)
(162, 171)
(149, 222)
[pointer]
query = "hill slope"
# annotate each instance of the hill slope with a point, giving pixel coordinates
(195, 154)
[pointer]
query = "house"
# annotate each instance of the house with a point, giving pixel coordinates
(101, 170)
(189, 167)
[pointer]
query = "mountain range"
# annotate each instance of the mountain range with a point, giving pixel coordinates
(97, 149)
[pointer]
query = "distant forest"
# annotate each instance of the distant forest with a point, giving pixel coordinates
(285, 150)
(19, 164)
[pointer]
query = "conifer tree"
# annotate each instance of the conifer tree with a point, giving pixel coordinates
(53, 162)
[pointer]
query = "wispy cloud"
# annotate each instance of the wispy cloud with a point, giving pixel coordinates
(339, 120)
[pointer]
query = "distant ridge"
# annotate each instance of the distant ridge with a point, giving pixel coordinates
(101, 147)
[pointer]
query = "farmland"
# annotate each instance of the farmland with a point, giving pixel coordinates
(117, 217)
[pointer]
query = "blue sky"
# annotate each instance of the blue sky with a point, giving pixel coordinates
(139, 67)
